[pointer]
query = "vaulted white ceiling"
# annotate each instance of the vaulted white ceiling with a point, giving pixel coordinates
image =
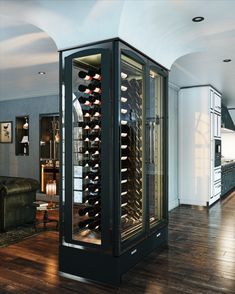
(32, 31)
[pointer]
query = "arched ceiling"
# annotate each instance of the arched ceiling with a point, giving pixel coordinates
(162, 29)
(26, 50)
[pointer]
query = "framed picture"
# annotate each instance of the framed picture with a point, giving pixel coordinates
(6, 132)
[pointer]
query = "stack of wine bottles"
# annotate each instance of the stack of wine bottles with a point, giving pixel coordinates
(90, 100)
(131, 150)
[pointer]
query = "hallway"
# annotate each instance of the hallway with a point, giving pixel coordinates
(200, 259)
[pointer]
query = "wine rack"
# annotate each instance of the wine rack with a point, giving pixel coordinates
(131, 147)
(87, 145)
(114, 168)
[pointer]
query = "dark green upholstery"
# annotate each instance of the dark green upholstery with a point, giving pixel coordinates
(16, 201)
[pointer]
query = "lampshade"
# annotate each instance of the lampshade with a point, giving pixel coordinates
(25, 139)
(51, 188)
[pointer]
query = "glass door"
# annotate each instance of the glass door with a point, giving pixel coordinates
(87, 87)
(131, 147)
(155, 152)
(83, 126)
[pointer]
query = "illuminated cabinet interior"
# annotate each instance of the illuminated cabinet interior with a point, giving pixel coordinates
(22, 135)
(114, 150)
(49, 151)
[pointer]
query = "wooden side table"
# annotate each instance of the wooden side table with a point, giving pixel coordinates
(46, 219)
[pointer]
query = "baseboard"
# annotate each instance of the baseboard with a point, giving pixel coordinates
(173, 204)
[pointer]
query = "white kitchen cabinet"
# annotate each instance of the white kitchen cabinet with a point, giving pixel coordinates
(199, 126)
(216, 125)
(217, 102)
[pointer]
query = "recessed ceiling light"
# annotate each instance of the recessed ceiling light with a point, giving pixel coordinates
(227, 60)
(41, 72)
(198, 19)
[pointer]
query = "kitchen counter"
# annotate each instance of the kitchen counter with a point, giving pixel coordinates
(227, 177)
(226, 162)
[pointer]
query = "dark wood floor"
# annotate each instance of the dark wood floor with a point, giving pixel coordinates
(200, 259)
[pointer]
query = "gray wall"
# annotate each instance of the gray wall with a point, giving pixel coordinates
(173, 147)
(24, 166)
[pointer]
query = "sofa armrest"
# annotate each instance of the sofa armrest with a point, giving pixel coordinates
(18, 185)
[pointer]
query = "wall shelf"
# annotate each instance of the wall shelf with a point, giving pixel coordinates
(22, 135)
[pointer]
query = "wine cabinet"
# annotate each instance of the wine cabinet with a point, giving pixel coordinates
(113, 168)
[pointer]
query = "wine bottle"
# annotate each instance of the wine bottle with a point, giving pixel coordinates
(125, 152)
(82, 99)
(93, 136)
(124, 122)
(93, 187)
(84, 223)
(83, 211)
(94, 148)
(83, 162)
(125, 128)
(94, 225)
(124, 187)
(124, 199)
(125, 83)
(84, 89)
(125, 140)
(94, 200)
(123, 99)
(95, 87)
(95, 74)
(84, 75)
(94, 122)
(123, 134)
(93, 175)
(95, 155)
(123, 75)
(124, 212)
(123, 88)
(96, 108)
(124, 176)
(123, 110)
(95, 214)
(95, 131)
(125, 163)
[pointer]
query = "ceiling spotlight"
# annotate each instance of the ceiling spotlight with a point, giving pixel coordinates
(198, 19)
(227, 60)
(41, 72)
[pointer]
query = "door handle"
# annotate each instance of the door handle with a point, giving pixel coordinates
(150, 141)
(153, 141)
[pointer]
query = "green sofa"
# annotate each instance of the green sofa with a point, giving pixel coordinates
(16, 201)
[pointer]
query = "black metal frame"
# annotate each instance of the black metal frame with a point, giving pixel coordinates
(85, 259)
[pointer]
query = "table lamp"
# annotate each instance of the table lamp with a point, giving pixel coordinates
(51, 189)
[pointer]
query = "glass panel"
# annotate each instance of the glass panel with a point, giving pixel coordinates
(131, 138)
(86, 208)
(154, 139)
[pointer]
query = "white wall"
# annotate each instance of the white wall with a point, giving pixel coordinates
(173, 147)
